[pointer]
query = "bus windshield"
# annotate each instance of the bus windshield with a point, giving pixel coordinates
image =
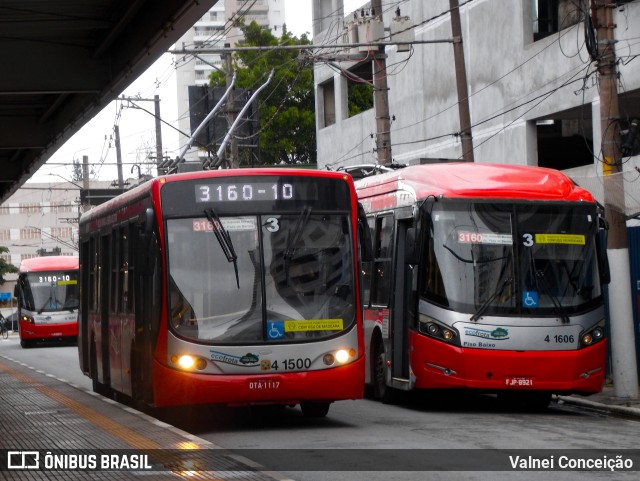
(51, 291)
(512, 259)
(290, 278)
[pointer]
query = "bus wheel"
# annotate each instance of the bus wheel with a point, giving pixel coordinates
(97, 386)
(384, 393)
(314, 409)
(25, 344)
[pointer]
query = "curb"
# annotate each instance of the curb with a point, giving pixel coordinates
(613, 408)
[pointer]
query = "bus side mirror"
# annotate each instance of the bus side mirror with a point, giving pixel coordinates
(603, 262)
(411, 250)
(364, 236)
(601, 251)
(15, 291)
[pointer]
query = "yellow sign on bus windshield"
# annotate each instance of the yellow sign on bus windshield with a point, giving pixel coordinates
(573, 239)
(313, 325)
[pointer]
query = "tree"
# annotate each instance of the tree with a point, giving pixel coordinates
(287, 133)
(5, 267)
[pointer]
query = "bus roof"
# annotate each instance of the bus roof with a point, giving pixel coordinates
(155, 183)
(474, 180)
(49, 263)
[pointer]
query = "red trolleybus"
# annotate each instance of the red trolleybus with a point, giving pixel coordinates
(237, 287)
(484, 277)
(48, 298)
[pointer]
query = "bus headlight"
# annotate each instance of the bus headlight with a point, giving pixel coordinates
(341, 356)
(28, 319)
(435, 329)
(189, 363)
(593, 335)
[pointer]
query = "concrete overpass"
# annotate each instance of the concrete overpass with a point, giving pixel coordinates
(65, 60)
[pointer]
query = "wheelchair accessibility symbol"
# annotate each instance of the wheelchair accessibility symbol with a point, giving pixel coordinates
(530, 299)
(275, 330)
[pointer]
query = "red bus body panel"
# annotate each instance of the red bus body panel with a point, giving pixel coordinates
(172, 387)
(30, 331)
(555, 371)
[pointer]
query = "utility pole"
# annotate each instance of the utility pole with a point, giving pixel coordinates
(381, 99)
(625, 371)
(461, 83)
(234, 161)
(116, 131)
(159, 159)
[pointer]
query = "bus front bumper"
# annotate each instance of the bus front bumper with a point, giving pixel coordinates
(29, 331)
(437, 365)
(173, 387)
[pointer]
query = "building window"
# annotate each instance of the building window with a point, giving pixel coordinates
(360, 88)
(30, 208)
(62, 232)
(328, 103)
(29, 233)
(552, 16)
(24, 257)
(5, 210)
(5, 234)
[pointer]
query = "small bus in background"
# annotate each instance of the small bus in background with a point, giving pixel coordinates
(48, 299)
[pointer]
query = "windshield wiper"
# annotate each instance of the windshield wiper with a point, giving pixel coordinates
(488, 302)
(547, 290)
(538, 274)
(224, 240)
(292, 240)
(298, 228)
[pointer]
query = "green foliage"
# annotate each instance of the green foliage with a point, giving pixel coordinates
(5, 267)
(360, 98)
(286, 105)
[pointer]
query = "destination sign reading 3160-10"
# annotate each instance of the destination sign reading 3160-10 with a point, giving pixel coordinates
(255, 191)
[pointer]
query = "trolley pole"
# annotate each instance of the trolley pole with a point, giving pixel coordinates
(381, 100)
(624, 367)
(234, 161)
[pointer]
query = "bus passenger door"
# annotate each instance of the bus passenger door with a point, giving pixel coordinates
(400, 307)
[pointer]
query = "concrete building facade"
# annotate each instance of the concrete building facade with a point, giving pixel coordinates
(533, 95)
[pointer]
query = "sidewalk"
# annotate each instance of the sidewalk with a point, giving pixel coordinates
(606, 401)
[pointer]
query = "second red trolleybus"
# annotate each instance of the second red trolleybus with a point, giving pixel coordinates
(237, 287)
(48, 299)
(484, 277)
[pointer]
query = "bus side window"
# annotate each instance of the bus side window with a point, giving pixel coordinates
(367, 267)
(123, 284)
(382, 260)
(114, 247)
(94, 268)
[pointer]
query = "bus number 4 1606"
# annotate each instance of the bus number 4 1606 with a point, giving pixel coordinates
(560, 339)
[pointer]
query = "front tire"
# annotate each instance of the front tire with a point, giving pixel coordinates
(386, 394)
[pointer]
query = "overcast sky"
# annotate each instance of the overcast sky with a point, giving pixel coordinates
(137, 128)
